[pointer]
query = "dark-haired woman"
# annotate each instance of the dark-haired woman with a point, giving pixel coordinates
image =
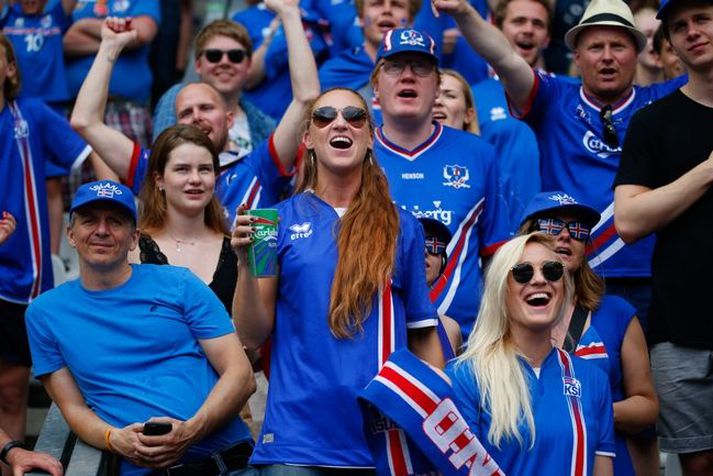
(181, 221)
(600, 328)
(351, 288)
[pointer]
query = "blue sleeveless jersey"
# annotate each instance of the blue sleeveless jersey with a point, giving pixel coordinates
(25, 260)
(312, 416)
(574, 157)
(37, 40)
(452, 177)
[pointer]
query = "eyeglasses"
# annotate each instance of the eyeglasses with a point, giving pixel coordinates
(434, 246)
(609, 131)
(551, 270)
(214, 55)
(421, 68)
(325, 115)
(554, 226)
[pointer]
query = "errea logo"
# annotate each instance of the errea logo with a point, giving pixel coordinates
(300, 231)
(106, 190)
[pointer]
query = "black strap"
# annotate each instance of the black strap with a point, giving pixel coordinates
(6, 449)
(576, 327)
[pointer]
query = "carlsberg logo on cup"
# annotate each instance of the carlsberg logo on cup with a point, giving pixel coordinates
(262, 253)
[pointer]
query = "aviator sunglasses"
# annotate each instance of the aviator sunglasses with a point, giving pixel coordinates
(214, 55)
(325, 115)
(551, 270)
(554, 226)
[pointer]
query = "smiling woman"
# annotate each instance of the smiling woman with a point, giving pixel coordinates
(536, 409)
(181, 221)
(350, 271)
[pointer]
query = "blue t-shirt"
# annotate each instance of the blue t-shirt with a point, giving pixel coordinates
(515, 146)
(453, 178)
(25, 259)
(257, 180)
(134, 349)
(601, 344)
(274, 93)
(131, 78)
(312, 416)
(574, 157)
(37, 40)
(571, 408)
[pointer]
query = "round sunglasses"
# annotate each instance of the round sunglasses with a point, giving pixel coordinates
(551, 270)
(325, 115)
(214, 55)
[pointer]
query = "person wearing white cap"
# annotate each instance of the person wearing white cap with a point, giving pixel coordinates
(580, 128)
(664, 187)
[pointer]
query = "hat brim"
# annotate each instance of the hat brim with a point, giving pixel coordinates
(570, 38)
(130, 211)
(588, 215)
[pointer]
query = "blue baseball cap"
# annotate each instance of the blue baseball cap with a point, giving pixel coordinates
(665, 6)
(406, 40)
(549, 203)
(104, 191)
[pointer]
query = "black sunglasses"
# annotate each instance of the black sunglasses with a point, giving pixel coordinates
(554, 226)
(551, 270)
(609, 131)
(325, 115)
(214, 55)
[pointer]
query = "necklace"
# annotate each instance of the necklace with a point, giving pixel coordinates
(181, 242)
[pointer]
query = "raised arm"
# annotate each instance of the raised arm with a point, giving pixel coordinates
(254, 299)
(489, 42)
(640, 211)
(113, 147)
(303, 76)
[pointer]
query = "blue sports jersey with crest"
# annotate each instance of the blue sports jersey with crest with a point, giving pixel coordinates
(572, 409)
(453, 178)
(25, 260)
(515, 145)
(257, 180)
(312, 416)
(131, 78)
(37, 40)
(575, 158)
(601, 344)
(133, 350)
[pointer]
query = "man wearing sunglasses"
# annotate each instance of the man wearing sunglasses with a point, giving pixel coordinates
(223, 57)
(580, 127)
(435, 171)
(663, 186)
(256, 180)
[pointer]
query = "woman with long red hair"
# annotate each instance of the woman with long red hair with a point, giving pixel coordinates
(350, 289)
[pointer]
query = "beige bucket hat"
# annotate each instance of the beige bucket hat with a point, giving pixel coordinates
(606, 13)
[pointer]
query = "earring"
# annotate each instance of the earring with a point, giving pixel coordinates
(312, 157)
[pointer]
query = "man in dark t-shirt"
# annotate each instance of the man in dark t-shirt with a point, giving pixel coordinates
(663, 186)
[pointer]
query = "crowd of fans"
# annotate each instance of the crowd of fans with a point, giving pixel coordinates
(492, 247)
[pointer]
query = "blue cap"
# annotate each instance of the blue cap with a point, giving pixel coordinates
(662, 7)
(406, 40)
(557, 202)
(104, 191)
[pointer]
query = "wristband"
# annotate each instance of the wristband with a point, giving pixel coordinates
(6, 449)
(107, 440)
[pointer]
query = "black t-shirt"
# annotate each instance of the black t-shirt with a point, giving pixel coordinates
(664, 141)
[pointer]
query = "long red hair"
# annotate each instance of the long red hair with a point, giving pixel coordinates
(366, 240)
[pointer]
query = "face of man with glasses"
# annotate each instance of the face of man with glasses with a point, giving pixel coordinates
(406, 86)
(223, 64)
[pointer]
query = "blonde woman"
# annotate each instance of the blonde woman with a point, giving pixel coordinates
(536, 409)
(351, 288)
